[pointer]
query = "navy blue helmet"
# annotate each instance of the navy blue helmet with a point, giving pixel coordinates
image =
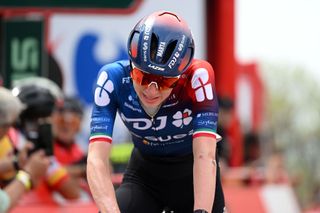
(161, 44)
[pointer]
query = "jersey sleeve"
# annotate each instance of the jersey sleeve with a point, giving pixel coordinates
(205, 102)
(104, 108)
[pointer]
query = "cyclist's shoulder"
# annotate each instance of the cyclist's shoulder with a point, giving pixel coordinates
(198, 66)
(120, 67)
(199, 63)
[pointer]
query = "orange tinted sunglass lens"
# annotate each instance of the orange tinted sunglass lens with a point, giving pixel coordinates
(137, 76)
(145, 79)
(170, 82)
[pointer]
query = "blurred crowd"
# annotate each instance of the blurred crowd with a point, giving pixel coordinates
(252, 159)
(41, 160)
(245, 160)
(39, 152)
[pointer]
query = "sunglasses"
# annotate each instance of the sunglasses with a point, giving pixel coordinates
(144, 78)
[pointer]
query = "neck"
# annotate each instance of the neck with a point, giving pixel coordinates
(151, 111)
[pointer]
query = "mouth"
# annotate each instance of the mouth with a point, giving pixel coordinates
(150, 100)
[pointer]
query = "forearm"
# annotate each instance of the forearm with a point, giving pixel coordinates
(204, 183)
(204, 172)
(18, 186)
(101, 187)
(15, 190)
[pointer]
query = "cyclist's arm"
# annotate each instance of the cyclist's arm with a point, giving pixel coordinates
(204, 172)
(98, 174)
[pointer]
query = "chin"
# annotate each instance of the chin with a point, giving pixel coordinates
(151, 103)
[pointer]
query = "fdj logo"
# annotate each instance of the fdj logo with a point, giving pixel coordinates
(143, 123)
(182, 118)
(203, 89)
(104, 87)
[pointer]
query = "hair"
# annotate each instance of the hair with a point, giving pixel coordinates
(10, 107)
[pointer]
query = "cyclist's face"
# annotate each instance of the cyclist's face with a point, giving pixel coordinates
(150, 95)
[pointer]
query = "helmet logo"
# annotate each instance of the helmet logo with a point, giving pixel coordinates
(177, 54)
(145, 48)
(146, 37)
(161, 49)
(173, 60)
(156, 67)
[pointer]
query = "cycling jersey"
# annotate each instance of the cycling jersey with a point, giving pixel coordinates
(190, 111)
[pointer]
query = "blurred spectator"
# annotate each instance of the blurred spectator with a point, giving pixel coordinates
(35, 126)
(34, 169)
(10, 108)
(224, 122)
(67, 117)
(275, 171)
(252, 149)
(16, 181)
(66, 123)
(230, 148)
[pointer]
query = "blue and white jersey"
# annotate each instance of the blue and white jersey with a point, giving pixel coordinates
(190, 111)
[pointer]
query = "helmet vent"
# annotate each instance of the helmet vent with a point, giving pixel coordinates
(154, 45)
(134, 39)
(168, 52)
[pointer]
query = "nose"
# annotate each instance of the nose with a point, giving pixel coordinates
(153, 85)
(153, 88)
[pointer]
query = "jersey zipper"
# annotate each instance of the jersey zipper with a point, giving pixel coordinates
(153, 115)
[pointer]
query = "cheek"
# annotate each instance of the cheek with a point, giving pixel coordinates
(138, 88)
(166, 93)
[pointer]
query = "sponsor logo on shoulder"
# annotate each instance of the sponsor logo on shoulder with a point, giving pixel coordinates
(103, 89)
(126, 80)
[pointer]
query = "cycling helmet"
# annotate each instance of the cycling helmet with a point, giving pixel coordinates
(161, 44)
(39, 102)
